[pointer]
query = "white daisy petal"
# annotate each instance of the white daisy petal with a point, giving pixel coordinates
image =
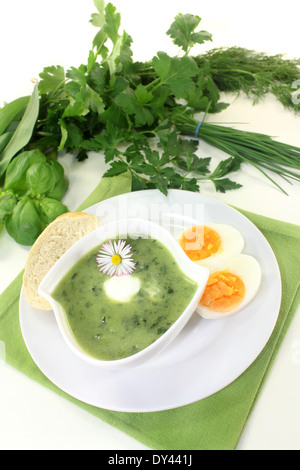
(109, 266)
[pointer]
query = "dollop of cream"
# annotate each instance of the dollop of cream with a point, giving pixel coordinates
(122, 288)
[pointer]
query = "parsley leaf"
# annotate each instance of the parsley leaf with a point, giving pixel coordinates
(135, 104)
(226, 166)
(176, 72)
(225, 184)
(182, 31)
(52, 78)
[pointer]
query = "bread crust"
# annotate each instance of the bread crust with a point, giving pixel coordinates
(53, 242)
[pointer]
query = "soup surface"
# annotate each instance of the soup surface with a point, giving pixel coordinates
(110, 329)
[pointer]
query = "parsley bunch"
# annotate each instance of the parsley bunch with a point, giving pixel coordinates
(124, 108)
(132, 111)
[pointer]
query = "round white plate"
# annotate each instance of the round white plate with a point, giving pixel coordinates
(207, 355)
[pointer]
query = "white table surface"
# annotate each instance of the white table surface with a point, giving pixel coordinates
(35, 34)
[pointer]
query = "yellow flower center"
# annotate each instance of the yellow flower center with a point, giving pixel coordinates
(116, 259)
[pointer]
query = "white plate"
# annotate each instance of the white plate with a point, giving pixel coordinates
(207, 355)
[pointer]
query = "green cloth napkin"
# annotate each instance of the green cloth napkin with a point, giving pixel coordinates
(214, 423)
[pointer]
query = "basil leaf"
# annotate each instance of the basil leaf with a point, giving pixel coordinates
(23, 132)
(49, 209)
(23, 224)
(7, 204)
(15, 177)
(40, 178)
(60, 182)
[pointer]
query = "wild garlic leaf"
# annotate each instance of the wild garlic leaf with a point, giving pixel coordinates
(182, 31)
(11, 111)
(23, 132)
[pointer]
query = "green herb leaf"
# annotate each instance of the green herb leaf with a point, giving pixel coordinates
(40, 178)
(52, 78)
(112, 22)
(200, 166)
(24, 224)
(182, 31)
(226, 166)
(23, 132)
(4, 139)
(49, 209)
(176, 72)
(11, 110)
(7, 205)
(15, 178)
(225, 184)
(98, 18)
(117, 168)
(60, 185)
(191, 185)
(130, 102)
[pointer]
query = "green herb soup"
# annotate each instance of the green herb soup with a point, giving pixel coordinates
(110, 329)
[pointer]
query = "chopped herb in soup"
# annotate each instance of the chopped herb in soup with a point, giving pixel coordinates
(108, 328)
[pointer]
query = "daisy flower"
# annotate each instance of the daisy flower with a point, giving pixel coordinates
(114, 258)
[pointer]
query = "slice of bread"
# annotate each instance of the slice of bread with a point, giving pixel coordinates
(53, 242)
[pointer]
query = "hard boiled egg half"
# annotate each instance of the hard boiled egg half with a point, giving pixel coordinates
(234, 277)
(209, 241)
(232, 284)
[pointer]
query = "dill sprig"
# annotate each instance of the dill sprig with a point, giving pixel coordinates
(236, 69)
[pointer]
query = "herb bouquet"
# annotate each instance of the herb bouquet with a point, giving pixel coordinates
(142, 116)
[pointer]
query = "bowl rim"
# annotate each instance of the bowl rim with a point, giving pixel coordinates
(124, 227)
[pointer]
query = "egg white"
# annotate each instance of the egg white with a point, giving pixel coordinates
(232, 241)
(244, 266)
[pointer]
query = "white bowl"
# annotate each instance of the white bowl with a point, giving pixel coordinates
(123, 228)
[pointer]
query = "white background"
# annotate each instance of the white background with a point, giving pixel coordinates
(35, 34)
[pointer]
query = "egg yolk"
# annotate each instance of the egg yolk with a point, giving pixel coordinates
(200, 242)
(224, 291)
